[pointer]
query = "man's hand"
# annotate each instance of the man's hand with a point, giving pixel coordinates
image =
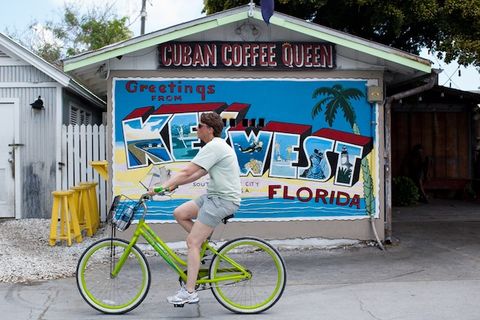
(153, 191)
(156, 190)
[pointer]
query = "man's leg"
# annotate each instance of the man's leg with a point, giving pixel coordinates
(185, 213)
(198, 234)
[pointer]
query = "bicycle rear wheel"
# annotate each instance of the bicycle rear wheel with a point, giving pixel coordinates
(267, 281)
(102, 291)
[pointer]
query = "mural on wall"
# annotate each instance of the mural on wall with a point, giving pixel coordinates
(305, 148)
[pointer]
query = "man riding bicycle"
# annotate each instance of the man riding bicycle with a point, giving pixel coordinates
(222, 199)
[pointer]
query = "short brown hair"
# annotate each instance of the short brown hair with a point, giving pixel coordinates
(214, 121)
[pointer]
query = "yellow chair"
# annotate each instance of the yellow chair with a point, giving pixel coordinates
(84, 209)
(92, 197)
(63, 202)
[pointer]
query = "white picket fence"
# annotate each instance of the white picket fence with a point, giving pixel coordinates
(80, 145)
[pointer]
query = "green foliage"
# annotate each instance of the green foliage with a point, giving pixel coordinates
(469, 191)
(76, 32)
(404, 191)
(451, 29)
(49, 52)
(367, 181)
(368, 187)
(91, 31)
(100, 33)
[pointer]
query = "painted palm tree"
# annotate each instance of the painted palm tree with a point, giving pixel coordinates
(335, 98)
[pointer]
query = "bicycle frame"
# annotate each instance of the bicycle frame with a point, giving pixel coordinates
(174, 261)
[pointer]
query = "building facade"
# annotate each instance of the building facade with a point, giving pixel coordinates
(36, 98)
(304, 108)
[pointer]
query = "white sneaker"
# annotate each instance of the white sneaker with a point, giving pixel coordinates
(183, 296)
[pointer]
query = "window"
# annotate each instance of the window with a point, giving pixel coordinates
(80, 116)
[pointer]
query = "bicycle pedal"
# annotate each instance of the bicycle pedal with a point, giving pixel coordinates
(179, 305)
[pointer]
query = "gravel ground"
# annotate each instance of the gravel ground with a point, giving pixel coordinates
(26, 256)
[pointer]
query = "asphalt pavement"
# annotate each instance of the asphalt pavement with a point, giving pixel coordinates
(431, 271)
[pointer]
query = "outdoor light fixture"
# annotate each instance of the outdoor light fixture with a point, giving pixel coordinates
(37, 104)
(374, 94)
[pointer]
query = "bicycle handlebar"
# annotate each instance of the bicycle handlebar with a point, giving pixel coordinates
(156, 191)
(146, 196)
(162, 191)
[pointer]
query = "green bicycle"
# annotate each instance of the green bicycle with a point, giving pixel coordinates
(246, 275)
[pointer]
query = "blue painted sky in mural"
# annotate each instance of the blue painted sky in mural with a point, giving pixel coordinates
(275, 100)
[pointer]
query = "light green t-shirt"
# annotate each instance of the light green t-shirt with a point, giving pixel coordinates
(220, 160)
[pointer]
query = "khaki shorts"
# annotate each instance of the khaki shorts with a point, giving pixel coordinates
(213, 209)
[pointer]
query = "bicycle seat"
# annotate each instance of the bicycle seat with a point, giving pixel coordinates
(225, 220)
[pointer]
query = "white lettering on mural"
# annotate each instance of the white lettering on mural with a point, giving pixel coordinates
(246, 55)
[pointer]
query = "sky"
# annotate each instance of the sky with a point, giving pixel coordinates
(19, 14)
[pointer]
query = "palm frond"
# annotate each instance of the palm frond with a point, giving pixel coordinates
(353, 93)
(322, 91)
(348, 112)
(331, 110)
(317, 108)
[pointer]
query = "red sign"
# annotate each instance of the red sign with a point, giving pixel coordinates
(247, 55)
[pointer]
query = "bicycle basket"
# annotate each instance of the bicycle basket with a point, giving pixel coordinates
(123, 211)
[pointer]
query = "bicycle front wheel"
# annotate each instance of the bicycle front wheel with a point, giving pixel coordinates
(113, 294)
(266, 281)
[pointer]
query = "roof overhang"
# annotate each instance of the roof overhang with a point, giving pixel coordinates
(80, 89)
(89, 61)
(53, 72)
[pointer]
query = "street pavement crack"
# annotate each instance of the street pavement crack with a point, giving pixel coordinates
(364, 309)
(405, 274)
(50, 298)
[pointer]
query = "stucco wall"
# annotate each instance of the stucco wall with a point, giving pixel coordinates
(354, 229)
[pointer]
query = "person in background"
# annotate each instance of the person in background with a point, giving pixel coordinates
(417, 169)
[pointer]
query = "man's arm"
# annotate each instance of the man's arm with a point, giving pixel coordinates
(190, 173)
